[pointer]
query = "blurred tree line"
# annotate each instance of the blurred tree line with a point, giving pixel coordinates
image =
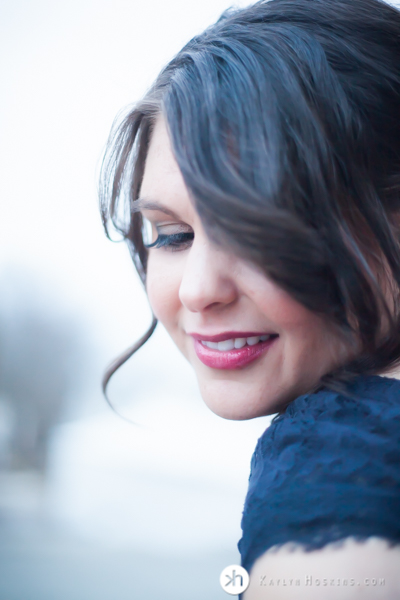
(40, 367)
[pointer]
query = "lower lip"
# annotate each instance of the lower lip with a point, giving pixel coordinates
(231, 359)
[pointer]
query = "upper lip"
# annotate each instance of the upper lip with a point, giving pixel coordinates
(228, 335)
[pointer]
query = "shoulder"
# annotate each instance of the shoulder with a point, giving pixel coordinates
(371, 405)
(343, 571)
(327, 469)
(319, 429)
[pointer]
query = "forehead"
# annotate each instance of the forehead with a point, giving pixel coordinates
(162, 179)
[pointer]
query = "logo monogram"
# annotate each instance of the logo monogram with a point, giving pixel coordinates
(234, 580)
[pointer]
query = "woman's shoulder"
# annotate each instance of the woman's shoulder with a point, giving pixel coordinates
(325, 469)
(358, 402)
(365, 412)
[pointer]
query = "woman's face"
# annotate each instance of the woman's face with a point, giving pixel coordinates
(253, 347)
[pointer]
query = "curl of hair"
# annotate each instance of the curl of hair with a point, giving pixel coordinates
(284, 121)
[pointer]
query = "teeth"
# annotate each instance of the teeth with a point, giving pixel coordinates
(236, 343)
(240, 342)
(226, 345)
(212, 345)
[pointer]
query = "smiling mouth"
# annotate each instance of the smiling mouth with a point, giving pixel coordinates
(236, 343)
(234, 352)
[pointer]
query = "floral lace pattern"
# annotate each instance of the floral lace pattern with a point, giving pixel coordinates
(326, 469)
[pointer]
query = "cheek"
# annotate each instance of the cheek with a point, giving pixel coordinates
(162, 287)
(277, 305)
(294, 323)
(302, 328)
(310, 346)
(294, 317)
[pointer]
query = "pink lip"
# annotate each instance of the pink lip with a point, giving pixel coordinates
(231, 359)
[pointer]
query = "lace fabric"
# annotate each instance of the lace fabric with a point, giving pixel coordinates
(326, 469)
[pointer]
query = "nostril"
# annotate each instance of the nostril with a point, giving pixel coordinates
(213, 305)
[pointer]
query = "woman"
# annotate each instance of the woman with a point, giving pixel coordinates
(266, 161)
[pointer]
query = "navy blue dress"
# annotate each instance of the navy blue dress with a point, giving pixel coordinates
(325, 469)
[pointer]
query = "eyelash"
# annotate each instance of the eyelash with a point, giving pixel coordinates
(172, 242)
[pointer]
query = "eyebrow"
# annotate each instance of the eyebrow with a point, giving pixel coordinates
(143, 204)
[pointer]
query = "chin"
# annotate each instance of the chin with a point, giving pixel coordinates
(236, 405)
(230, 413)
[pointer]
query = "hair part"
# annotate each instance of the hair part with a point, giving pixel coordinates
(283, 118)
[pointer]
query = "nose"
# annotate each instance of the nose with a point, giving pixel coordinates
(207, 281)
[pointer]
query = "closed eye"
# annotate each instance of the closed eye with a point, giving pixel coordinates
(173, 241)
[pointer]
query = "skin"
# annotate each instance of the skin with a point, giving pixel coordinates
(351, 570)
(201, 287)
(204, 288)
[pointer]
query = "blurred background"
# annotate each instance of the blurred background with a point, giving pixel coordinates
(90, 505)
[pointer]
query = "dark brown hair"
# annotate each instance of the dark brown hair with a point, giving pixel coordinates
(284, 121)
